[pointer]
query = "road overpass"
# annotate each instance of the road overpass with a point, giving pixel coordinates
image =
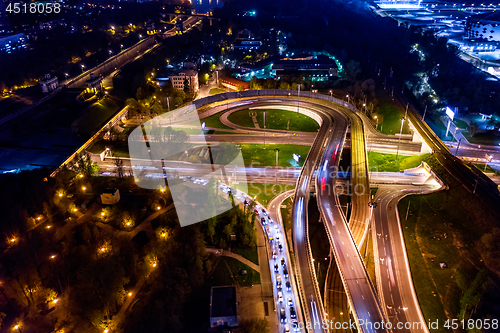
(392, 270)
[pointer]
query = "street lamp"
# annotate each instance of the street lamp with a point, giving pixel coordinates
(83, 66)
(399, 140)
(277, 150)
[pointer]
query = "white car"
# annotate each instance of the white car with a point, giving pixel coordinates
(290, 302)
(280, 296)
(287, 329)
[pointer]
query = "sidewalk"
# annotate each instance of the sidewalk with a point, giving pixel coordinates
(221, 252)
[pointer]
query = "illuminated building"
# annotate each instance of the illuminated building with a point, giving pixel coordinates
(179, 77)
(318, 68)
(48, 84)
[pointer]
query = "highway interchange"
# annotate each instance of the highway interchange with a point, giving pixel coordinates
(396, 299)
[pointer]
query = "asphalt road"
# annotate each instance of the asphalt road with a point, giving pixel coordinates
(394, 281)
(360, 292)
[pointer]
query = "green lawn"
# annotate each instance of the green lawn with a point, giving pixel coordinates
(189, 131)
(480, 166)
(242, 118)
(212, 121)
(320, 246)
(446, 227)
(236, 268)
(286, 213)
(256, 155)
(483, 139)
(387, 162)
(461, 124)
(369, 258)
(248, 253)
(214, 91)
(390, 122)
(434, 286)
(278, 119)
(263, 193)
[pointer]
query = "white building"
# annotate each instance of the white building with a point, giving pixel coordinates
(179, 77)
(48, 84)
(110, 196)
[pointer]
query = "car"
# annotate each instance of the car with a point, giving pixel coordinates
(290, 302)
(274, 254)
(278, 238)
(280, 247)
(282, 315)
(280, 296)
(255, 210)
(282, 261)
(288, 286)
(285, 272)
(276, 268)
(293, 315)
(263, 221)
(277, 228)
(246, 203)
(264, 212)
(286, 329)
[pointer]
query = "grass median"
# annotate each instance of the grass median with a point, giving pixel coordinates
(446, 227)
(264, 192)
(276, 119)
(264, 155)
(387, 162)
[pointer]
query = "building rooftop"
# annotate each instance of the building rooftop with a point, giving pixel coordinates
(223, 301)
(187, 72)
(306, 59)
(494, 16)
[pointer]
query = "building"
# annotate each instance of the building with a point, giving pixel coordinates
(246, 42)
(484, 27)
(48, 84)
(193, 62)
(232, 84)
(12, 42)
(94, 83)
(150, 27)
(316, 67)
(110, 196)
(179, 77)
(223, 309)
(247, 45)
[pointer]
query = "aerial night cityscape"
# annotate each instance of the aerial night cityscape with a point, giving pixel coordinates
(221, 166)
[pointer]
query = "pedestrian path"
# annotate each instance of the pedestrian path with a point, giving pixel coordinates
(221, 252)
(254, 119)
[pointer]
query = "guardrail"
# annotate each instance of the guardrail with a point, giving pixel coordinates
(223, 97)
